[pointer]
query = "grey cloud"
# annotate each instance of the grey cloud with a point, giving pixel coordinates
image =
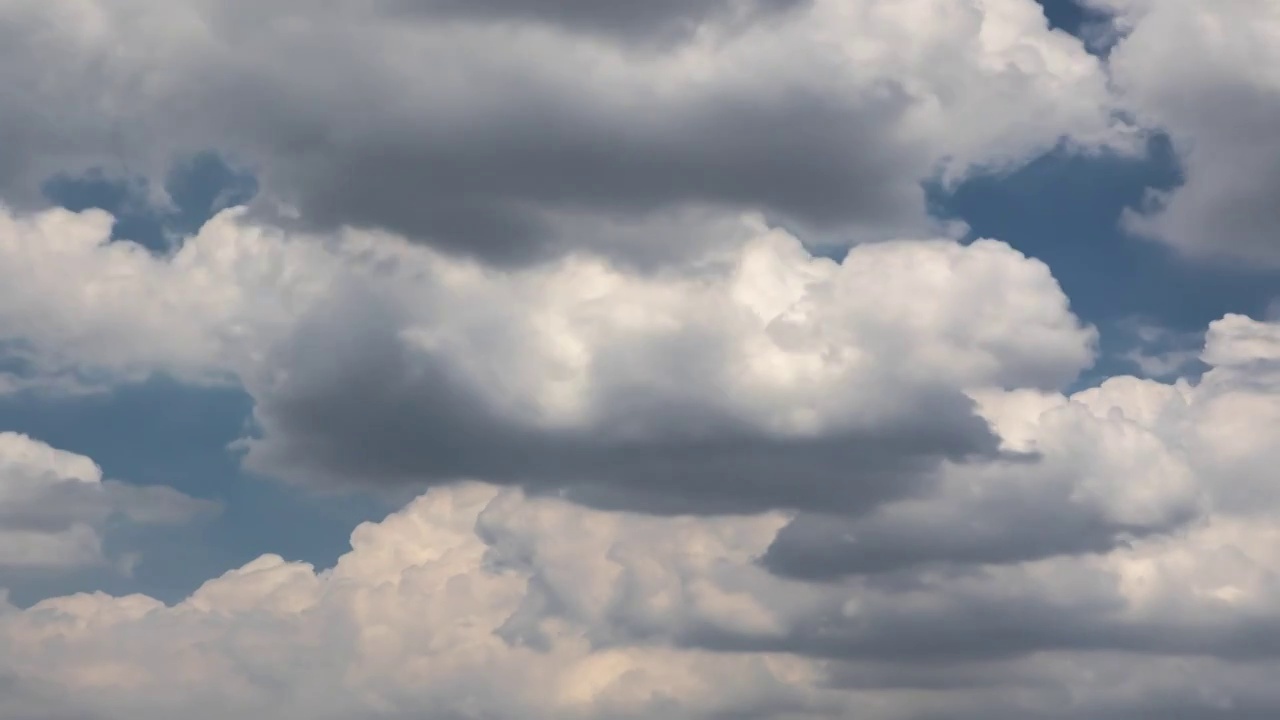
(59, 506)
(57, 515)
(476, 136)
(483, 171)
(498, 187)
(22, 698)
(952, 622)
(1004, 530)
(360, 407)
(952, 629)
(1226, 209)
(661, 21)
(464, 574)
(1186, 705)
(1215, 95)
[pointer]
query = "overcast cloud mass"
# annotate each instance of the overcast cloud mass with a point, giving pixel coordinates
(688, 400)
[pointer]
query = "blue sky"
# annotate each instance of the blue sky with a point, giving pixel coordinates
(503, 285)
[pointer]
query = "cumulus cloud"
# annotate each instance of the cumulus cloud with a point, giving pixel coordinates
(566, 268)
(55, 507)
(1208, 74)
(480, 601)
(1099, 481)
(1109, 543)
(1116, 463)
(539, 129)
(764, 377)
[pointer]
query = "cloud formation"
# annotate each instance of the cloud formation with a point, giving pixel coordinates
(707, 416)
(478, 601)
(539, 130)
(765, 378)
(1208, 74)
(1124, 526)
(55, 508)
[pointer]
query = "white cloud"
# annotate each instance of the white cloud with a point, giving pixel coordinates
(759, 377)
(55, 506)
(77, 307)
(717, 474)
(477, 601)
(1208, 73)
(482, 601)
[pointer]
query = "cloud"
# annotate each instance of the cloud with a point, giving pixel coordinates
(1116, 463)
(1099, 482)
(566, 269)
(765, 377)
(1126, 527)
(323, 644)
(777, 380)
(55, 507)
(551, 128)
(482, 601)
(85, 311)
(611, 17)
(1206, 74)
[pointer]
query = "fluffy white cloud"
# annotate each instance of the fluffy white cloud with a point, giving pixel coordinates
(762, 377)
(1208, 73)
(678, 463)
(477, 601)
(54, 506)
(75, 306)
(547, 132)
(1107, 544)
(410, 619)
(1096, 483)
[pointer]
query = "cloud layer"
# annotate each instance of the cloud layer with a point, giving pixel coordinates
(539, 127)
(706, 415)
(974, 543)
(478, 601)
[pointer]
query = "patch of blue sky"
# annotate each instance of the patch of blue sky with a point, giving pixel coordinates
(196, 189)
(1065, 210)
(161, 432)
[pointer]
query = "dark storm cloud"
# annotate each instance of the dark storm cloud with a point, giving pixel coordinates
(362, 407)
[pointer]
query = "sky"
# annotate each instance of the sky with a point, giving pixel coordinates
(690, 359)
